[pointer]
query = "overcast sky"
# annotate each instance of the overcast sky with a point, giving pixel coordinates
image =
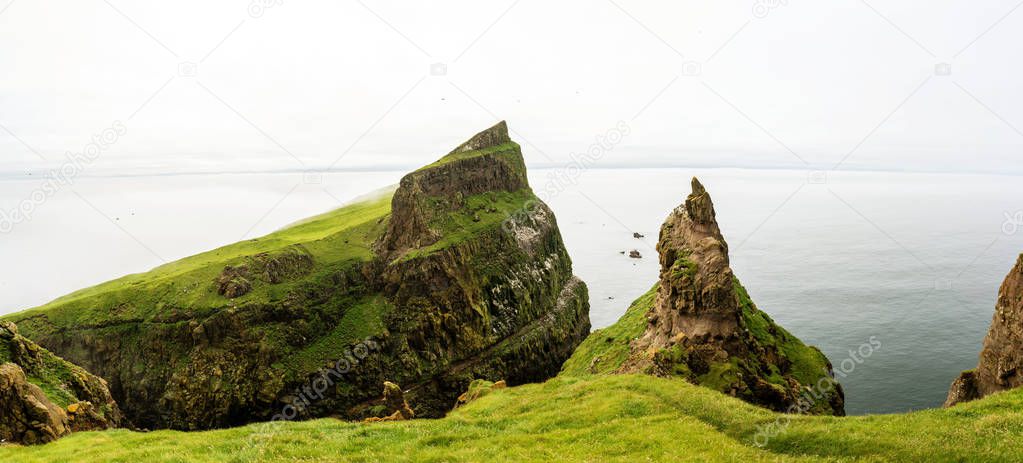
(286, 84)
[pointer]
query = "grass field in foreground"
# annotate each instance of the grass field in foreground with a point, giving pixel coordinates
(599, 418)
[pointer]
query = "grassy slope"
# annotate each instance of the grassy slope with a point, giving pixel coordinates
(808, 363)
(483, 211)
(336, 238)
(576, 417)
(53, 375)
(599, 418)
(509, 147)
(605, 350)
(339, 237)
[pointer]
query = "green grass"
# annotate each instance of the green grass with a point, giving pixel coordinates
(605, 350)
(599, 418)
(57, 378)
(808, 363)
(362, 321)
(510, 147)
(337, 238)
(483, 211)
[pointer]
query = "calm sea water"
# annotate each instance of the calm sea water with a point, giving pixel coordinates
(912, 260)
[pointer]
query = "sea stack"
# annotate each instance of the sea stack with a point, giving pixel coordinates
(1001, 360)
(704, 327)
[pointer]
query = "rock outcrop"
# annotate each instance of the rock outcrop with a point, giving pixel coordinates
(704, 327)
(393, 405)
(478, 389)
(460, 273)
(43, 397)
(1001, 360)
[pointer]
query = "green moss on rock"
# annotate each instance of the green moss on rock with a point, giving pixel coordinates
(451, 276)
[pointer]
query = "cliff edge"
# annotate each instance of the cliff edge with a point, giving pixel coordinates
(1001, 360)
(458, 274)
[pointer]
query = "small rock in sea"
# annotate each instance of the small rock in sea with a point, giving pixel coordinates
(638, 235)
(621, 252)
(635, 254)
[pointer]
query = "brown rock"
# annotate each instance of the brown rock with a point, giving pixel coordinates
(1001, 361)
(27, 416)
(479, 388)
(395, 406)
(232, 282)
(700, 323)
(448, 182)
(695, 296)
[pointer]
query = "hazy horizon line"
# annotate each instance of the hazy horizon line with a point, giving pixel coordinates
(16, 176)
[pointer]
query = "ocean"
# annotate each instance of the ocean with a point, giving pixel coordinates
(907, 263)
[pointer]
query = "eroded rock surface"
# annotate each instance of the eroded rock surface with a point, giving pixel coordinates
(704, 327)
(393, 404)
(461, 273)
(73, 400)
(1001, 360)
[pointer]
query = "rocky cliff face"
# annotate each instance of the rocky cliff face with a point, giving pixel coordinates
(482, 274)
(460, 274)
(43, 397)
(1001, 361)
(704, 327)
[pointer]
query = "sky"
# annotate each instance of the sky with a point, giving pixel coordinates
(281, 85)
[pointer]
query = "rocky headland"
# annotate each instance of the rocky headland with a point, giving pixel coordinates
(459, 274)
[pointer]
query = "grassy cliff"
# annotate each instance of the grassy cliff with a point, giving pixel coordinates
(457, 274)
(606, 350)
(598, 418)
